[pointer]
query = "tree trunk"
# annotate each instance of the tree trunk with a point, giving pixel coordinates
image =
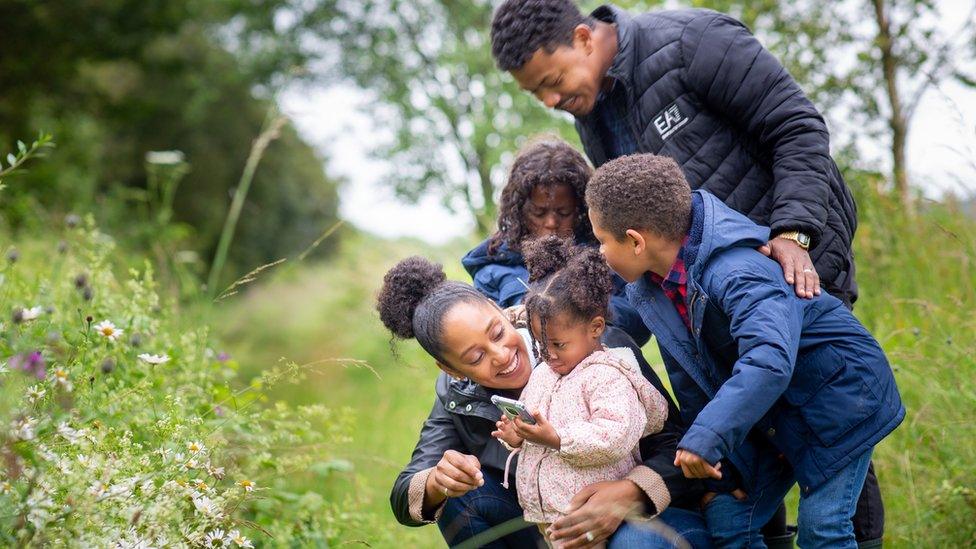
(897, 120)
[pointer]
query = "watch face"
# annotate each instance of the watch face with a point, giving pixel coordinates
(803, 239)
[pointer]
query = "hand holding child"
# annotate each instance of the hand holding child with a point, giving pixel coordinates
(506, 432)
(542, 432)
(695, 466)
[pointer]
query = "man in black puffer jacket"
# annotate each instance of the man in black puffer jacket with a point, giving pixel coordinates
(697, 86)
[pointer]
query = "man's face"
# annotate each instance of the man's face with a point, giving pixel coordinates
(567, 79)
(620, 254)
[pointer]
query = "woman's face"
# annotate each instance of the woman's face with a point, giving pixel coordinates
(480, 343)
(551, 209)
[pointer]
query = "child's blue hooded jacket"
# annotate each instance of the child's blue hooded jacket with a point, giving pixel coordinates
(809, 378)
(503, 278)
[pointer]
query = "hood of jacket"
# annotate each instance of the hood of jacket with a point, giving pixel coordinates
(479, 257)
(714, 228)
(624, 360)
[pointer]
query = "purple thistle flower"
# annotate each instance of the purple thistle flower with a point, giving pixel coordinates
(223, 356)
(32, 363)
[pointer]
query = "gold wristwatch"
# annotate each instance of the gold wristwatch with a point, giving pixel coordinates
(802, 239)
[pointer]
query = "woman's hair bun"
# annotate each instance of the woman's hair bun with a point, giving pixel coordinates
(405, 286)
(546, 255)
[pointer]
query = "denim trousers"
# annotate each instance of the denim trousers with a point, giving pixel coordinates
(492, 505)
(824, 517)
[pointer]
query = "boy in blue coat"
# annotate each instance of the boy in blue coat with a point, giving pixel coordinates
(758, 372)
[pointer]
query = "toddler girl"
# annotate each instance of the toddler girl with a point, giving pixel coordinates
(591, 404)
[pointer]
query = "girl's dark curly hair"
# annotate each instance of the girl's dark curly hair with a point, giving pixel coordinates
(565, 278)
(548, 161)
(414, 299)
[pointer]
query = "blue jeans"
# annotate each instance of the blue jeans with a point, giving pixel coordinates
(824, 518)
(490, 506)
(674, 525)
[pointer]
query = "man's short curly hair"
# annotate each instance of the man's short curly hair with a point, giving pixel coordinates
(641, 191)
(520, 27)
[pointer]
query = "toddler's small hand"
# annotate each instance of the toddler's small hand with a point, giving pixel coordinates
(541, 433)
(695, 466)
(506, 432)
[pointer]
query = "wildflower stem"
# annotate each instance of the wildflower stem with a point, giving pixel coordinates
(269, 133)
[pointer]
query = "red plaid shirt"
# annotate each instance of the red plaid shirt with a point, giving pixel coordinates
(675, 285)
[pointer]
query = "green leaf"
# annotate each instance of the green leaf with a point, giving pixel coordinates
(11, 159)
(21, 147)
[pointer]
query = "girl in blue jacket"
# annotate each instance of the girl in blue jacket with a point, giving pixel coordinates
(757, 371)
(544, 196)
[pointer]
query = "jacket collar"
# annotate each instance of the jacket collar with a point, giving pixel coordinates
(722, 228)
(622, 68)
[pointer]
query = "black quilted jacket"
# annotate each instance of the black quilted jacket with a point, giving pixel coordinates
(701, 89)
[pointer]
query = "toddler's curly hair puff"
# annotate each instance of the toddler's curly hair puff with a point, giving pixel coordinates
(565, 278)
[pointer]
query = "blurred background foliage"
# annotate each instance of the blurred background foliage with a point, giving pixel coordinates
(113, 79)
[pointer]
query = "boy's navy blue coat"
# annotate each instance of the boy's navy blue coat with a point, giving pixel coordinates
(809, 378)
(702, 90)
(502, 277)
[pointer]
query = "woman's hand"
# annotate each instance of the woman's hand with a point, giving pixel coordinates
(695, 466)
(541, 433)
(506, 432)
(595, 513)
(454, 475)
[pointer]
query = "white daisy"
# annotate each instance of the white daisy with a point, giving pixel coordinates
(25, 429)
(216, 472)
(109, 330)
(154, 359)
(61, 378)
(196, 447)
(240, 540)
(31, 314)
(70, 434)
(98, 489)
(216, 539)
(247, 485)
(35, 393)
(205, 506)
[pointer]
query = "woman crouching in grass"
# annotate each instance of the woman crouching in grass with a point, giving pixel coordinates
(454, 477)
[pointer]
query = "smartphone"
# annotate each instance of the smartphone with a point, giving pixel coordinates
(513, 408)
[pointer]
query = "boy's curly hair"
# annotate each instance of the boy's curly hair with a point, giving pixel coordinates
(565, 278)
(545, 161)
(641, 191)
(520, 27)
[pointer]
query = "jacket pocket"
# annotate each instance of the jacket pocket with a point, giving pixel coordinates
(834, 393)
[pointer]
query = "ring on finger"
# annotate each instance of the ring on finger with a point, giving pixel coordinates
(446, 494)
(589, 536)
(808, 270)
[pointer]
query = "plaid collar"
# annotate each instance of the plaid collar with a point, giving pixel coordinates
(678, 275)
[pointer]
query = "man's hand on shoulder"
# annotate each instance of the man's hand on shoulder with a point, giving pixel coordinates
(797, 265)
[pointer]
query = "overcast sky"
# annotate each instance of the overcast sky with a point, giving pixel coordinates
(943, 129)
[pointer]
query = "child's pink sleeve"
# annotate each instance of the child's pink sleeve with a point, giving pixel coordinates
(617, 421)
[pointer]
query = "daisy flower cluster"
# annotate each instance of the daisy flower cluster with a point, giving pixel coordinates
(120, 427)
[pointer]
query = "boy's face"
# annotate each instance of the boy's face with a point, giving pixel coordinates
(568, 79)
(625, 256)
